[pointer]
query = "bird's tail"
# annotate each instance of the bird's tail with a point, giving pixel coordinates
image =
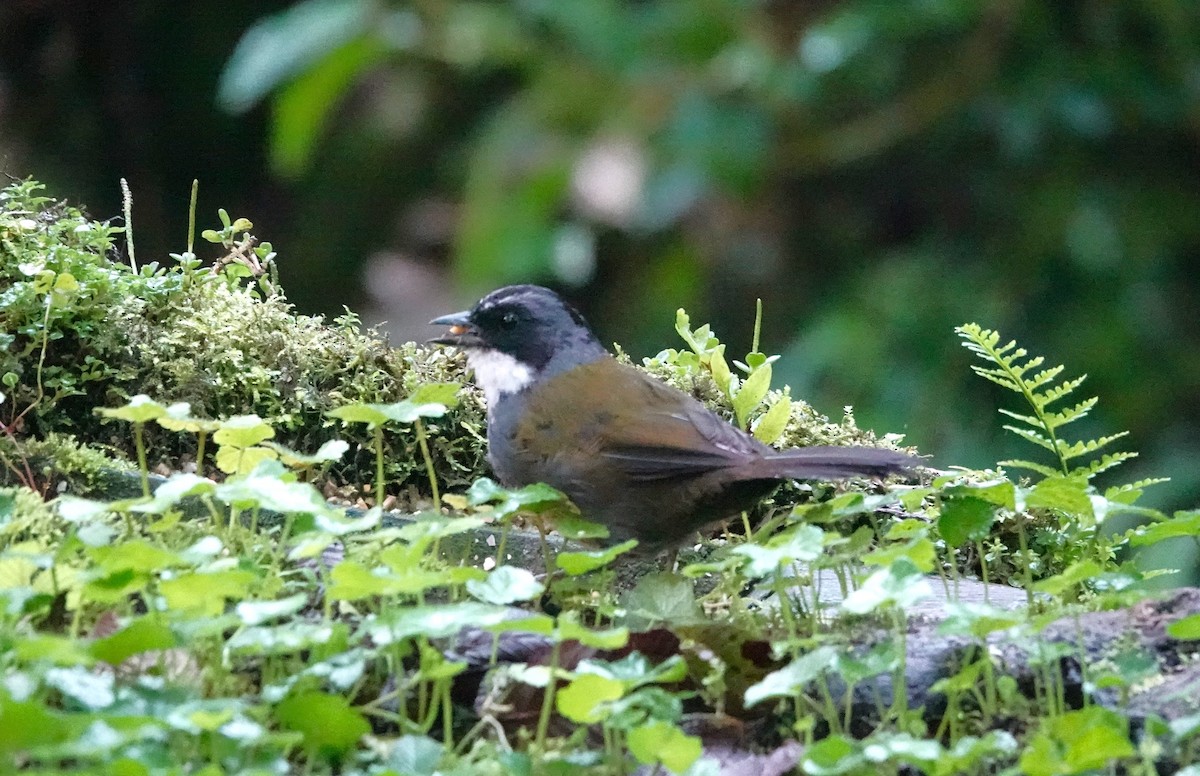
(831, 463)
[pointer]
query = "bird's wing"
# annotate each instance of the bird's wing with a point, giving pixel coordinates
(613, 415)
(646, 461)
(671, 435)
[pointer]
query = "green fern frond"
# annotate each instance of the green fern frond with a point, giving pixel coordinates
(1028, 419)
(1043, 377)
(1020, 369)
(1035, 437)
(1056, 419)
(1061, 390)
(1104, 463)
(1011, 367)
(1132, 491)
(1041, 469)
(997, 376)
(1069, 451)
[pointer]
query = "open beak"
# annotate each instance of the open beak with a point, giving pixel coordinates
(461, 334)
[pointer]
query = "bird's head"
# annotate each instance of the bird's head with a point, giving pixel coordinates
(518, 334)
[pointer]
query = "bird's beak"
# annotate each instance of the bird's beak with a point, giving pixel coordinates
(462, 332)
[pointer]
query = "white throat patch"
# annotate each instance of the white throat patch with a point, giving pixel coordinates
(498, 374)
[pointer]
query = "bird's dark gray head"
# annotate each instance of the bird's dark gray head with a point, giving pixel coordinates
(519, 333)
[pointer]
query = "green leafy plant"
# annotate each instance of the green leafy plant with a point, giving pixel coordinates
(429, 401)
(744, 394)
(243, 619)
(1014, 369)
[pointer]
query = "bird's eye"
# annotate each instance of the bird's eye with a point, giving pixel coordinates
(508, 321)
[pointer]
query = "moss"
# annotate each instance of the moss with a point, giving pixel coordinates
(227, 352)
(217, 341)
(61, 463)
(805, 425)
(24, 515)
(190, 334)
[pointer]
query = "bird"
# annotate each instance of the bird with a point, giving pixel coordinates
(640, 457)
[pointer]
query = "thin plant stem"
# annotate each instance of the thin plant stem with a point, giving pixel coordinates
(503, 545)
(785, 604)
(447, 717)
(433, 485)
(547, 554)
(127, 206)
(379, 465)
(989, 683)
(140, 444)
(1028, 572)
(832, 718)
(201, 440)
(192, 214)
(900, 682)
(757, 324)
(548, 698)
(983, 570)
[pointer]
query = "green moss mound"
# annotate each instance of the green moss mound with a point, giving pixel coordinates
(81, 329)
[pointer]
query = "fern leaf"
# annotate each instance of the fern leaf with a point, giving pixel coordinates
(973, 330)
(1041, 469)
(1062, 389)
(1103, 463)
(1020, 370)
(1044, 376)
(1007, 370)
(996, 376)
(1131, 486)
(1132, 491)
(1069, 451)
(1030, 419)
(1032, 436)
(1056, 419)
(988, 371)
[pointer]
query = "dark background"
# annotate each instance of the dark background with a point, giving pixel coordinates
(877, 172)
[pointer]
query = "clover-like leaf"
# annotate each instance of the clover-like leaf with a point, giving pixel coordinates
(435, 621)
(901, 584)
(243, 431)
(803, 543)
(139, 409)
(533, 498)
(584, 699)
(657, 741)
(583, 561)
(445, 394)
(141, 635)
(964, 519)
(506, 585)
(327, 722)
(570, 629)
(258, 612)
(661, 597)
(331, 450)
(360, 412)
(792, 678)
(177, 487)
(264, 488)
(178, 417)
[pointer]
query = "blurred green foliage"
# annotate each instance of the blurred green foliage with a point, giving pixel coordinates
(1024, 163)
(877, 172)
